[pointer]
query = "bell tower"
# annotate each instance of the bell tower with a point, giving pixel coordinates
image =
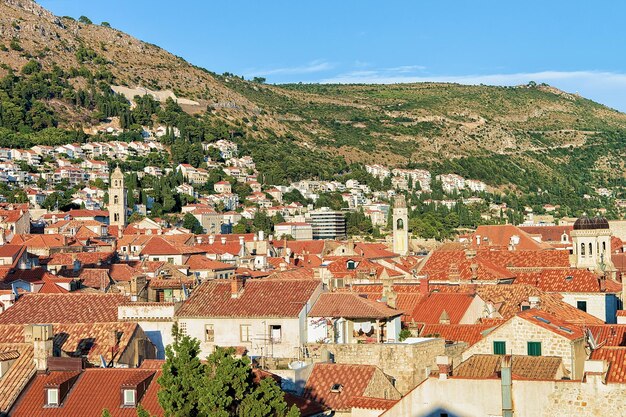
(400, 226)
(117, 199)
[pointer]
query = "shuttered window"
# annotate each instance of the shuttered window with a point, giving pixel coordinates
(499, 348)
(534, 348)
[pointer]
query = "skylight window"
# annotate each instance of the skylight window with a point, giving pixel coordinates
(541, 319)
(336, 388)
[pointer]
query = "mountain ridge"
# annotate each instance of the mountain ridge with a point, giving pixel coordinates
(425, 124)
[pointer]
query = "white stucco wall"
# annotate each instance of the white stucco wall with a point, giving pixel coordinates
(227, 333)
(596, 302)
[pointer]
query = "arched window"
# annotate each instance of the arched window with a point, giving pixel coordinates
(399, 224)
(590, 249)
(582, 249)
(603, 246)
(116, 217)
(116, 199)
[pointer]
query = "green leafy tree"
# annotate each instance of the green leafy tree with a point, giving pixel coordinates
(190, 222)
(181, 378)
(85, 20)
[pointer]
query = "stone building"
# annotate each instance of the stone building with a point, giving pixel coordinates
(117, 199)
(535, 333)
(400, 226)
(592, 243)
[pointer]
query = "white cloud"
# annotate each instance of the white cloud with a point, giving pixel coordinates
(605, 87)
(312, 67)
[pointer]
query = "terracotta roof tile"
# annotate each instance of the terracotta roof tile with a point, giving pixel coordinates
(353, 379)
(63, 308)
(351, 305)
(94, 390)
(568, 280)
(609, 334)
(18, 375)
(552, 323)
(469, 333)
(258, 298)
(430, 308)
(522, 367)
(616, 357)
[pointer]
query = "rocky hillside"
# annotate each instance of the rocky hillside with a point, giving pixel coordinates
(531, 126)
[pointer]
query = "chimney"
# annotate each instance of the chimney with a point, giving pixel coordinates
(602, 282)
(261, 235)
(506, 382)
(43, 344)
(283, 266)
(534, 301)
(236, 287)
(211, 239)
(445, 367)
(242, 241)
(424, 286)
(198, 239)
(474, 269)
(444, 318)
(453, 273)
(223, 239)
(270, 238)
(595, 371)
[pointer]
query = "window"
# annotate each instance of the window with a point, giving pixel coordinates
(534, 348)
(116, 199)
(276, 333)
(603, 246)
(582, 249)
(209, 333)
(245, 332)
(499, 348)
(53, 397)
(351, 265)
(170, 260)
(590, 249)
(400, 224)
(581, 305)
(129, 397)
(182, 327)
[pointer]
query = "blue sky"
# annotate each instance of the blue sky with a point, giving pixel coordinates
(574, 45)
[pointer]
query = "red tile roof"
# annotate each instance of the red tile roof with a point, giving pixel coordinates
(122, 272)
(549, 234)
(568, 280)
(502, 235)
(258, 298)
(85, 258)
(616, 356)
(468, 333)
(354, 380)
(369, 403)
(157, 245)
(452, 262)
(552, 323)
(522, 367)
(202, 263)
(19, 374)
(95, 390)
(352, 306)
(609, 334)
(430, 308)
(63, 308)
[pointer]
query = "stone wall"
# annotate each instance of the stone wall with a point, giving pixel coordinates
(517, 332)
(381, 387)
(408, 364)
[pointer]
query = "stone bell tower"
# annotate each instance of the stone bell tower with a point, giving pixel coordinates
(117, 199)
(400, 226)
